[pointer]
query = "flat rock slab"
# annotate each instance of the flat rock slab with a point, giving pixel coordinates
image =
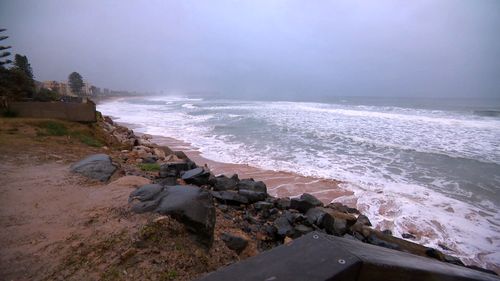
(97, 166)
(188, 204)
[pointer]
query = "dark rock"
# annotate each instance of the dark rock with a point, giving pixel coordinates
(453, 260)
(333, 225)
(167, 181)
(223, 208)
(374, 240)
(249, 218)
(481, 269)
(197, 176)
(339, 227)
(146, 192)
(444, 247)
(230, 197)
(301, 230)
(433, 253)
(193, 207)
(252, 196)
(408, 236)
(149, 160)
(263, 205)
(192, 173)
(294, 217)
(315, 216)
(387, 232)
(364, 220)
(97, 166)
(359, 236)
(270, 230)
(283, 227)
(187, 204)
(235, 243)
(283, 203)
(342, 208)
(250, 184)
(222, 182)
(305, 202)
(173, 169)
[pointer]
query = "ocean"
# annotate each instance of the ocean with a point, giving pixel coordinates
(426, 166)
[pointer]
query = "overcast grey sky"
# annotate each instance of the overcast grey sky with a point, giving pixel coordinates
(265, 48)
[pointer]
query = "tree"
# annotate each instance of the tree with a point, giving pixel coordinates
(76, 83)
(4, 53)
(21, 63)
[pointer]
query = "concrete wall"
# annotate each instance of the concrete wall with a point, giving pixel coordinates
(81, 112)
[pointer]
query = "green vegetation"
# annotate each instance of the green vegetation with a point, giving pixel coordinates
(4, 53)
(87, 139)
(150, 167)
(76, 83)
(17, 82)
(58, 128)
(21, 64)
(52, 128)
(46, 95)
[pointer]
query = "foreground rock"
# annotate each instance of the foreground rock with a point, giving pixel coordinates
(305, 202)
(97, 166)
(234, 242)
(187, 204)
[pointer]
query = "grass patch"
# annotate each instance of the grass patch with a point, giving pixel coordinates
(52, 128)
(150, 167)
(89, 140)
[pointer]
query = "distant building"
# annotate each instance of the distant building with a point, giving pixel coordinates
(59, 87)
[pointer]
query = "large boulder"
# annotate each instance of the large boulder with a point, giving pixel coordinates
(146, 192)
(188, 204)
(283, 203)
(250, 184)
(305, 202)
(252, 196)
(254, 191)
(315, 216)
(230, 197)
(97, 166)
(222, 183)
(197, 176)
(173, 169)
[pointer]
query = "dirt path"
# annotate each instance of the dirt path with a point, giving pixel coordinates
(43, 205)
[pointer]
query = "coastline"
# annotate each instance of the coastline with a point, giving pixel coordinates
(97, 217)
(279, 183)
(288, 184)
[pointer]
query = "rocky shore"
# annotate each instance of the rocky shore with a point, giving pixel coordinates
(99, 202)
(193, 195)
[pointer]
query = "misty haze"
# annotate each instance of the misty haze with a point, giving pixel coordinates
(163, 140)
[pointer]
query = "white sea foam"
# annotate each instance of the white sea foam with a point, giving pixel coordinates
(392, 158)
(188, 105)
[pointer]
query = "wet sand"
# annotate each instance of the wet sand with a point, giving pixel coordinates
(279, 183)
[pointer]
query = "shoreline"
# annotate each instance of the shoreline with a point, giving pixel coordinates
(289, 184)
(97, 217)
(280, 183)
